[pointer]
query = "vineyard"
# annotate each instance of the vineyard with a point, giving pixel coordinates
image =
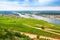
(10, 28)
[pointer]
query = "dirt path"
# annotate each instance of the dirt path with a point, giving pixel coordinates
(49, 28)
(41, 29)
(34, 36)
(42, 36)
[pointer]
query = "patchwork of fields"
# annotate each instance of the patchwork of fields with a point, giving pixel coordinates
(31, 25)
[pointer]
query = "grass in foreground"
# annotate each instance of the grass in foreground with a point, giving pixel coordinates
(6, 34)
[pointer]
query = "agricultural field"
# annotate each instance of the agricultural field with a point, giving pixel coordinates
(41, 30)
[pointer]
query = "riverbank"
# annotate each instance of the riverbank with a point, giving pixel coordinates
(57, 17)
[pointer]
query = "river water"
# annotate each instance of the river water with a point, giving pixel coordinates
(51, 20)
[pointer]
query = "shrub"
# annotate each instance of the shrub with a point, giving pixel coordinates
(17, 34)
(42, 27)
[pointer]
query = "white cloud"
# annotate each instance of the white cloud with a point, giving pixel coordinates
(16, 6)
(45, 2)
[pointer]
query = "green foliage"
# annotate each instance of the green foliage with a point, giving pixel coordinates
(43, 39)
(17, 34)
(6, 34)
(26, 37)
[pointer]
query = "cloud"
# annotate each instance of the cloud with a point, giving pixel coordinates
(27, 5)
(45, 1)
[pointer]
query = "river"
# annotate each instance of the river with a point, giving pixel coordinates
(51, 20)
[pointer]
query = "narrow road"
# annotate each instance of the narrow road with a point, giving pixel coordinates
(48, 28)
(43, 30)
(35, 36)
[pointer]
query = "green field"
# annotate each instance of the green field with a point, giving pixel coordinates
(32, 25)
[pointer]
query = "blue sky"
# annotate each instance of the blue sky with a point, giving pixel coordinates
(29, 4)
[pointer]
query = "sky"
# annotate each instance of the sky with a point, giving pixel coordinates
(30, 5)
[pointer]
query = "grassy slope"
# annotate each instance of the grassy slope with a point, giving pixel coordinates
(16, 23)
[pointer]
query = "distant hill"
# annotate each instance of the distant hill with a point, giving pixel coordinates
(37, 12)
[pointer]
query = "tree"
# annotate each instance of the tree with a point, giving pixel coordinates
(17, 34)
(42, 27)
(38, 36)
